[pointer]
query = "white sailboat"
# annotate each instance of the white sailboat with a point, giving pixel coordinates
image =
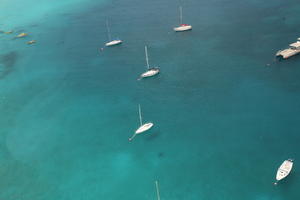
(143, 127)
(110, 41)
(284, 170)
(182, 27)
(151, 71)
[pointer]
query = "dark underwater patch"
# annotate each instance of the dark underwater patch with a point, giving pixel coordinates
(7, 62)
(161, 154)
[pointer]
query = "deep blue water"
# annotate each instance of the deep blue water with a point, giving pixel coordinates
(225, 111)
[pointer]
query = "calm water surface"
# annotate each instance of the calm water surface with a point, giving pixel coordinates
(226, 114)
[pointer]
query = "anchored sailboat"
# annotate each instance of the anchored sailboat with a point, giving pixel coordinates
(110, 41)
(151, 71)
(284, 170)
(182, 27)
(143, 127)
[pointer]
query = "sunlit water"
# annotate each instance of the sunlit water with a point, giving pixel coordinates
(225, 112)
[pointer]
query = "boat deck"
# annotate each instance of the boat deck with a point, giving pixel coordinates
(288, 53)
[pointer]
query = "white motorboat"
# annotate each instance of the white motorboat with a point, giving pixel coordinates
(111, 42)
(143, 127)
(293, 49)
(284, 170)
(182, 27)
(152, 71)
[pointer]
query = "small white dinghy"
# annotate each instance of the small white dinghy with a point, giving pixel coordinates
(284, 170)
(143, 127)
(111, 42)
(182, 27)
(152, 71)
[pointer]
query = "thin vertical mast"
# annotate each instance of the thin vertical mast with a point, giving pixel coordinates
(180, 17)
(108, 31)
(147, 59)
(140, 115)
(157, 190)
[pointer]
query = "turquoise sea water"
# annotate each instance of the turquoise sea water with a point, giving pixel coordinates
(225, 113)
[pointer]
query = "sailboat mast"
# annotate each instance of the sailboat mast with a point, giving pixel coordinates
(180, 14)
(157, 190)
(147, 59)
(108, 31)
(140, 115)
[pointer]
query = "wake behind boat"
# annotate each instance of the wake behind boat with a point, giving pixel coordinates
(111, 42)
(182, 27)
(152, 71)
(284, 170)
(143, 127)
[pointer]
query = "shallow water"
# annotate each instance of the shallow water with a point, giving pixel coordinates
(224, 120)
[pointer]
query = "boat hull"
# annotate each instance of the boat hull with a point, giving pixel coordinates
(144, 127)
(150, 72)
(113, 43)
(291, 51)
(284, 169)
(287, 53)
(183, 28)
(22, 35)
